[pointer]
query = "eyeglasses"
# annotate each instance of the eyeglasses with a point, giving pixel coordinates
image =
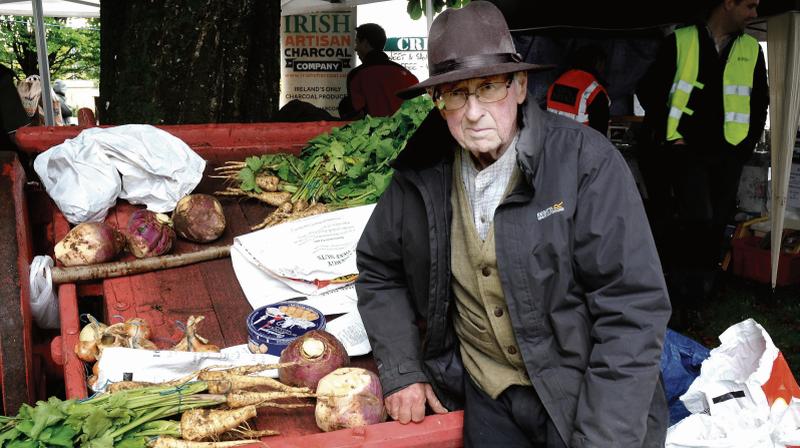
(489, 92)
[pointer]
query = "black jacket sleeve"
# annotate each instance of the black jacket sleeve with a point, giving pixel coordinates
(384, 301)
(653, 90)
(599, 113)
(759, 100)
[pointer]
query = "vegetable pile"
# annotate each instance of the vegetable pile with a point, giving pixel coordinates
(136, 416)
(133, 333)
(345, 168)
(197, 217)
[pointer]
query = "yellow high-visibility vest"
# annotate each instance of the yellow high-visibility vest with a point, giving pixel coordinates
(737, 83)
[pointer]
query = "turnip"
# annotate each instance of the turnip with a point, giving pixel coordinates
(317, 353)
(199, 218)
(149, 234)
(89, 243)
(349, 397)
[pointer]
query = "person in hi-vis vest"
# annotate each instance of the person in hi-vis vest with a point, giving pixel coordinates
(705, 99)
(579, 93)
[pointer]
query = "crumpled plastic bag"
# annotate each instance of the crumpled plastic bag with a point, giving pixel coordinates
(82, 175)
(680, 365)
(44, 303)
(740, 398)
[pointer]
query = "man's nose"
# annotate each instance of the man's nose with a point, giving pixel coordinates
(473, 108)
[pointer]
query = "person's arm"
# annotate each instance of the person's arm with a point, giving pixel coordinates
(387, 312)
(617, 266)
(759, 100)
(599, 113)
(653, 89)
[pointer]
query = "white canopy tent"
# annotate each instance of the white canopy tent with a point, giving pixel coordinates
(48, 8)
(52, 8)
(783, 45)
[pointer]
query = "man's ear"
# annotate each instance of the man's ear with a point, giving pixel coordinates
(522, 80)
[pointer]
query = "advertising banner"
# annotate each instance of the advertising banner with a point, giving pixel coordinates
(316, 56)
(411, 53)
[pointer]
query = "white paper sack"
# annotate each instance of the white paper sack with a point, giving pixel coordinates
(261, 289)
(305, 252)
(82, 175)
(350, 331)
(156, 366)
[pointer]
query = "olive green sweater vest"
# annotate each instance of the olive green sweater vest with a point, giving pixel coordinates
(488, 346)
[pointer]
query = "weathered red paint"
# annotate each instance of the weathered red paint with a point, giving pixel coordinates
(16, 323)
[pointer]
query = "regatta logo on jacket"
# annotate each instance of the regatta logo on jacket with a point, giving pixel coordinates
(552, 210)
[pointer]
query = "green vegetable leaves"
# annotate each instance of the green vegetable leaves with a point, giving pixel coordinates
(348, 166)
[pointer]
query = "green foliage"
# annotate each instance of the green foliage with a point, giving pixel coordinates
(124, 419)
(416, 8)
(71, 52)
(348, 166)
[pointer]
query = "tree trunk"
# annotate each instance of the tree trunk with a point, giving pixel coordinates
(189, 61)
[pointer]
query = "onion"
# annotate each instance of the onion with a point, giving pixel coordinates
(149, 234)
(87, 351)
(349, 397)
(199, 218)
(319, 354)
(89, 243)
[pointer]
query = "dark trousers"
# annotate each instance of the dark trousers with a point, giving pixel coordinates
(692, 197)
(515, 419)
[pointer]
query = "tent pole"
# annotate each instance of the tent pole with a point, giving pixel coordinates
(44, 65)
(429, 13)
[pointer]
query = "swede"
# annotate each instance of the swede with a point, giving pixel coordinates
(199, 218)
(89, 243)
(349, 397)
(314, 354)
(149, 234)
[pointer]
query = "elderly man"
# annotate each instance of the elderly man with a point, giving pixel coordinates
(509, 267)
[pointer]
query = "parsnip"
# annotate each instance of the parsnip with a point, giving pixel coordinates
(199, 424)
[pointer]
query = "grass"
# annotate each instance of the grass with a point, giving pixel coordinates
(738, 299)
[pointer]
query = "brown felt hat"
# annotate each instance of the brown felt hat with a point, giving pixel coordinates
(471, 42)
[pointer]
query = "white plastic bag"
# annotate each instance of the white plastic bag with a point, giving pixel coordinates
(157, 168)
(79, 178)
(82, 175)
(44, 302)
(739, 399)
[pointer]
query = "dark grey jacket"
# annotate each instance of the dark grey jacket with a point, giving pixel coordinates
(579, 269)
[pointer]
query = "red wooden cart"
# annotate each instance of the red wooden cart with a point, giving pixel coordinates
(209, 288)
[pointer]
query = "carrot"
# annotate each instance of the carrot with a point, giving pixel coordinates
(242, 399)
(199, 424)
(222, 384)
(73, 274)
(171, 442)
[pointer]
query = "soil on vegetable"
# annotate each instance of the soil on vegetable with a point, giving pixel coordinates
(738, 299)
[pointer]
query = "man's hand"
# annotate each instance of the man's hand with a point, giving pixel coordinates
(408, 404)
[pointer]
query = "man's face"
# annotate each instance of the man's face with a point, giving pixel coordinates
(485, 129)
(362, 48)
(742, 12)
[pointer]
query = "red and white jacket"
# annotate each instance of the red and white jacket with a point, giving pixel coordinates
(572, 93)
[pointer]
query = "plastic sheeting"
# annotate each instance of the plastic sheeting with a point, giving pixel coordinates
(783, 45)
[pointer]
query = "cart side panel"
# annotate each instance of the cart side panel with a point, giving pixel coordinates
(16, 350)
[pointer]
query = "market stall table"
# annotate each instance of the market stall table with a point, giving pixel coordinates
(211, 289)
